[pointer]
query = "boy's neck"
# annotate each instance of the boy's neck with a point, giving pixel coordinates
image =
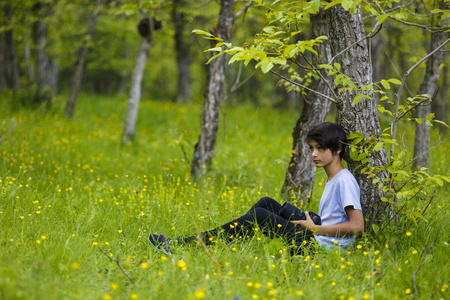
(333, 169)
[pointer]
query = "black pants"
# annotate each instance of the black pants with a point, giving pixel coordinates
(262, 216)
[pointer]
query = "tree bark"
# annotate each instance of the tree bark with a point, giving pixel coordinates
(136, 81)
(301, 172)
(215, 86)
(29, 70)
(345, 30)
(444, 92)
(79, 67)
(429, 86)
(2, 63)
(12, 77)
(182, 49)
(45, 70)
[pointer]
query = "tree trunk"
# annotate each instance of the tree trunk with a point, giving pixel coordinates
(429, 86)
(79, 67)
(2, 63)
(301, 172)
(203, 152)
(182, 49)
(44, 68)
(345, 30)
(444, 92)
(29, 70)
(124, 76)
(11, 66)
(136, 81)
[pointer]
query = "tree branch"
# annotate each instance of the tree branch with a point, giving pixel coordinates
(426, 27)
(394, 127)
(374, 32)
(243, 10)
(118, 264)
(321, 76)
(304, 87)
(390, 10)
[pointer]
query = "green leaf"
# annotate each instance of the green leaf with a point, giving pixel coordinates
(214, 57)
(353, 154)
(378, 146)
(440, 122)
(214, 49)
(315, 5)
(355, 135)
(359, 97)
(198, 31)
(325, 66)
(266, 66)
(381, 18)
(337, 66)
(279, 60)
(376, 229)
(347, 4)
(385, 84)
(395, 81)
(269, 29)
(333, 3)
(345, 81)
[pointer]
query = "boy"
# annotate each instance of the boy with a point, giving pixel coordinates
(340, 207)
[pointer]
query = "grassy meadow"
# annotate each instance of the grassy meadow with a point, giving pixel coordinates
(68, 189)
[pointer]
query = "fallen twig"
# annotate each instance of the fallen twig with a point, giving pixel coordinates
(420, 265)
(118, 264)
(200, 240)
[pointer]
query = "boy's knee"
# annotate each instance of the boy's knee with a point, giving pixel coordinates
(265, 201)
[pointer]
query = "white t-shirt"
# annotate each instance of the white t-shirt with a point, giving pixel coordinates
(340, 192)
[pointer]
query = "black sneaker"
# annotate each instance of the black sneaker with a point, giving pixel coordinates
(160, 243)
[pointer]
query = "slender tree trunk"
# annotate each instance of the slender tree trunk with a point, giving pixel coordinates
(29, 70)
(182, 49)
(44, 68)
(301, 172)
(136, 81)
(215, 86)
(345, 30)
(124, 78)
(429, 86)
(79, 67)
(444, 93)
(11, 65)
(2, 63)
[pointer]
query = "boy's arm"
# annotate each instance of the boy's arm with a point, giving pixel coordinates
(354, 226)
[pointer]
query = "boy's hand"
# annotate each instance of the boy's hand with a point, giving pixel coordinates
(308, 224)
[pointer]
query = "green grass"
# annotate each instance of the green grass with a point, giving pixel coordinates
(67, 188)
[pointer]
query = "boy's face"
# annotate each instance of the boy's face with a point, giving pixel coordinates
(322, 157)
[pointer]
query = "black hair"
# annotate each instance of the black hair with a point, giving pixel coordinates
(330, 136)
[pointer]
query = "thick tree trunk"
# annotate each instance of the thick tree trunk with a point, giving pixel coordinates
(301, 172)
(79, 67)
(10, 64)
(345, 30)
(429, 86)
(136, 82)
(182, 49)
(204, 149)
(45, 70)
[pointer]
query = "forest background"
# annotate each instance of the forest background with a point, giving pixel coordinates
(72, 185)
